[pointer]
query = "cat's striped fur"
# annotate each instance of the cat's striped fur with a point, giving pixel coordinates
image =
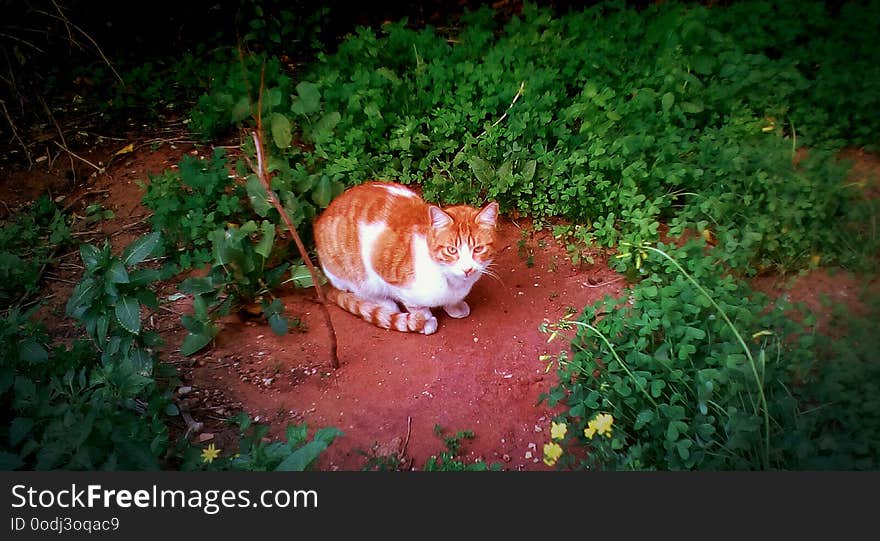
(391, 256)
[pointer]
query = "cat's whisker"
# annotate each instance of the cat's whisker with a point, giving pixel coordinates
(489, 272)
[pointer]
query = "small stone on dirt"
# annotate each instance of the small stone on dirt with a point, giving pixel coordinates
(205, 436)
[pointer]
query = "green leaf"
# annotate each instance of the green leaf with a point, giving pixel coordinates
(483, 170)
(372, 110)
(657, 387)
(89, 255)
(140, 249)
(196, 341)
(224, 246)
(32, 352)
(278, 324)
(683, 448)
(644, 417)
(258, 196)
(81, 298)
(267, 241)
(325, 191)
(281, 130)
(128, 313)
(102, 325)
(323, 128)
(117, 273)
(200, 308)
(297, 434)
(300, 459)
(308, 100)
(667, 101)
(691, 107)
(301, 277)
(505, 170)
(143, 277)
(241, 110)
(704, 64)
(198, 285)
(528, 171)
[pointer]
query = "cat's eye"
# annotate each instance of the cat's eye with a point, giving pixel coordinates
(451, 250)
(479, 249)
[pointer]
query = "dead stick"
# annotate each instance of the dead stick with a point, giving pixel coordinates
(67, 24)
(72, 200)
(27, 153)
(65, 149)
(408, 432)
(63, 140)
(263, 175)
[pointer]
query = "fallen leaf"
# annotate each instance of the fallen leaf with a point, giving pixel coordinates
(125, 150)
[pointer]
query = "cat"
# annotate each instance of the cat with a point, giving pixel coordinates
(380, 244)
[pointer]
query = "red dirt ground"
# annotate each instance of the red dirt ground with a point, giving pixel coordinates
(481, 373)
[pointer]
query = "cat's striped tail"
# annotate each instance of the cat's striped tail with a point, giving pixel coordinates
(381, 315)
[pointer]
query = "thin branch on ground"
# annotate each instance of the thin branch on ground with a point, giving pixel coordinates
(602, 284)
(22, 41)
(27, 152)
(262, 173)
(408, 433)
(68, 24)
(60, 134)
(72, 201)
(77, 156)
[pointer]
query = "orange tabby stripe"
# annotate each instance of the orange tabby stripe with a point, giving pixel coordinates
(376, 313)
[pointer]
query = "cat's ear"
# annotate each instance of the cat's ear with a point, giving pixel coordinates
(439, 218)
(489, 215)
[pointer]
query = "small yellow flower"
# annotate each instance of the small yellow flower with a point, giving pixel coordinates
(210, 453)
(552, 452)
(558, 430)
(601, 425)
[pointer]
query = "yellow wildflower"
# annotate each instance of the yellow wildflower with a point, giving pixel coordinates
(601, 424)
(210, 453)
(552, 452)
(558, 430)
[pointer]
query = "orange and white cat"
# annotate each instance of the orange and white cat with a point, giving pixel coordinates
(382, 246)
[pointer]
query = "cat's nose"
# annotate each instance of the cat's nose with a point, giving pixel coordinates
(469, 271)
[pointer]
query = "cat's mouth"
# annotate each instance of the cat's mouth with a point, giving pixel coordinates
(468, 274)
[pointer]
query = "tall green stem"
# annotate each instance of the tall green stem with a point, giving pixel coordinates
(617, 358)
(745, 347)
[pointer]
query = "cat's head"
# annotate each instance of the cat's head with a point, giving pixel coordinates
(462, 238)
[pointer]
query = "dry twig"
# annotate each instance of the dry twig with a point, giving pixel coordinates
(263, 175)
(68, 25)
(408, 432)
(15, 133)
(77, 156)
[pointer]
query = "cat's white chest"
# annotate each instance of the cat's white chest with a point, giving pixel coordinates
(431, 285)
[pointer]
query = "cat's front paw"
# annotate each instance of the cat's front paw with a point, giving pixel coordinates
(458, 310)
(430, 326)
